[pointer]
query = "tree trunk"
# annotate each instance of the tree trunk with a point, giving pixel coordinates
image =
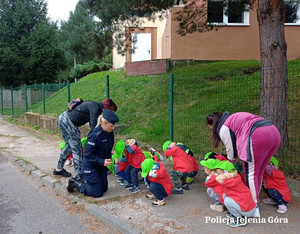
(273, 48)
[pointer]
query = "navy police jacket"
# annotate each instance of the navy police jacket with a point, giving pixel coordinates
(98, 148)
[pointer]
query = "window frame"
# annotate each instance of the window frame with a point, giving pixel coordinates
(246, 17)
(298, 15)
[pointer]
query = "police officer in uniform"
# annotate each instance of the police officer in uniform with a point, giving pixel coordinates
(97, 157)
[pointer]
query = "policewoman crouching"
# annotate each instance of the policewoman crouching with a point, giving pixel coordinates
(97, 157)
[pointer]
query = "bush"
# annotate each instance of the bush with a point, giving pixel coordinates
(84, 69)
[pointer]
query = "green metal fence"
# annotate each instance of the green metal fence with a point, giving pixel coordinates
(184, 105)
(16, 100)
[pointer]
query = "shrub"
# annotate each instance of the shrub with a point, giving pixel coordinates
(84, 69)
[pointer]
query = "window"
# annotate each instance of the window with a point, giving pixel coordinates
(234, 13)
(292, 12)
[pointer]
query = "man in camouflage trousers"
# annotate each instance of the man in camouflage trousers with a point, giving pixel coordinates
(68, 122)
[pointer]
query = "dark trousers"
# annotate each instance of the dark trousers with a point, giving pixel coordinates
(132, 175)
(95, 182)
(122, 174)
(157, 189)
(275, 195)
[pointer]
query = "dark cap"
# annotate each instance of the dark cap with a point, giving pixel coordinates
(110, 116)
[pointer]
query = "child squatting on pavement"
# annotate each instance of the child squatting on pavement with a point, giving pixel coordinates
(184, 165)
(275, 186)
(237, 196)
(157, 179)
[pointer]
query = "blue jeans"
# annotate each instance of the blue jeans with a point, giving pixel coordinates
(132, 175)
(235, 209)
(122, 174)
(157, 189)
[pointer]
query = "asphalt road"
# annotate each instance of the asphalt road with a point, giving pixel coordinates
(25, 207)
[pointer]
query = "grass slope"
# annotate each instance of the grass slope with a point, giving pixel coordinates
(199, 89)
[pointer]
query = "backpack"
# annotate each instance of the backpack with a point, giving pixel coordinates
(75, 102)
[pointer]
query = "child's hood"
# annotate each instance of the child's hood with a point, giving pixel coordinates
(225, 176)
(119, 147)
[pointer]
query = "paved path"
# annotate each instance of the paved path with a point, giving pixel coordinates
(28, 208)
(38, 153)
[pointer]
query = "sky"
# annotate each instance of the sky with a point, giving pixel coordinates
(59, 9)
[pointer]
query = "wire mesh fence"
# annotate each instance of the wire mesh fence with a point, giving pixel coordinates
(146, 114)
(16, 100)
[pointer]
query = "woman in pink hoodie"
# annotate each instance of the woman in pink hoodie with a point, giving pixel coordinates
(251, 138)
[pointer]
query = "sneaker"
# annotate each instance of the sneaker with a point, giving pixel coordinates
(150, 196)
(238, 222)
(124, 183)
(256, 213)
(216, 207)
(128, 186)
(120, 180)
(158, 202)
(177, 191)
(68, 163)
(269, 201)
(281, 209)
(185, 187)
(135, 189)
(189, 180)
(62, 172)
(229, 215)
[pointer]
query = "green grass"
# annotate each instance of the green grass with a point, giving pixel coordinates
(199, 89)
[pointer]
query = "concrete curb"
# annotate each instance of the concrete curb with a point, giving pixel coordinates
(117, 223)
(38, 174)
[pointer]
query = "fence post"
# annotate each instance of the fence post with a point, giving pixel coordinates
(69, 95)
(171, 106)
(12, 100)
(44, 102)
(2, 110)
(107, 86)
(25, 94)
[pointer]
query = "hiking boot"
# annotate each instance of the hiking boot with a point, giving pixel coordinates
(62, 172)
(73, 184)
(177, 191)
(269, 201)
(150, 196)
(185, 187)
(216, 207)
(128, 186)
(158, 202)
(79, 178)
(281, 209)
(237, 222)
(135, 189)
